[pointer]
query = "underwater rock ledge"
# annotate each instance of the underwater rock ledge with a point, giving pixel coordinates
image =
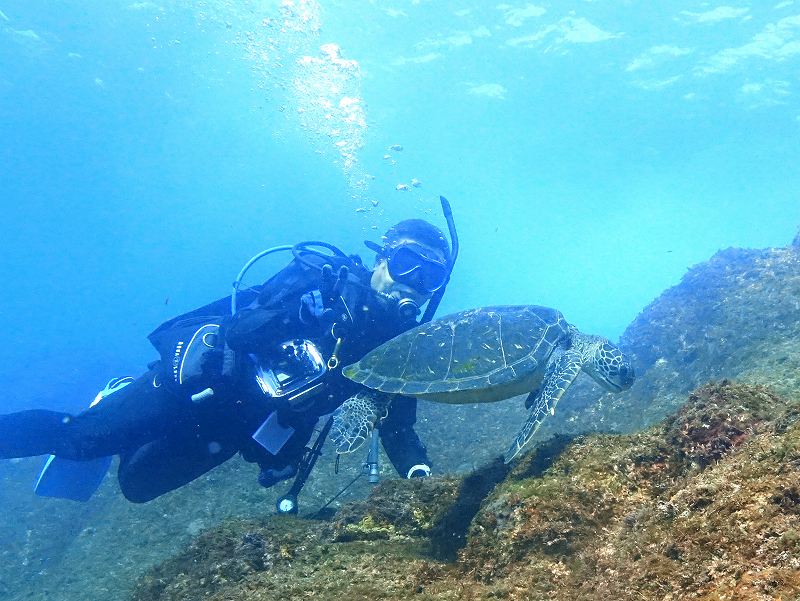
(704, 505)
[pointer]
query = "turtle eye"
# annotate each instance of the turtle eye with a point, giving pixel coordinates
(610, 352)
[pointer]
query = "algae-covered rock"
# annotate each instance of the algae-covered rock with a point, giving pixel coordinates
(705, 505)
(710, 424)
(397, 508)
(227, 554)
(283, 558)
(437, 509)
(726, 318)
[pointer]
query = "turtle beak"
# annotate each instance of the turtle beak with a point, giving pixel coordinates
(626, 377)
(623, 379)
(620, 380)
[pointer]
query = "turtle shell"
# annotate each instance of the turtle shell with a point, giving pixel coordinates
(480, 355)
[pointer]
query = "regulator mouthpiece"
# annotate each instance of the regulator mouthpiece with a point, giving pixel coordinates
(407, 309)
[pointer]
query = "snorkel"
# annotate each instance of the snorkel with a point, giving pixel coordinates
(433, 303)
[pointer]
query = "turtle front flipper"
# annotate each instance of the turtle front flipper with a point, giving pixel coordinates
(562, 369)
(354, 420)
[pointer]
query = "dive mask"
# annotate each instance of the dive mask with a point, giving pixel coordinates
(417, 266)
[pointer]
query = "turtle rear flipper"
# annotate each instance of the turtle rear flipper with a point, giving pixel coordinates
(354, 420)
(562, 369)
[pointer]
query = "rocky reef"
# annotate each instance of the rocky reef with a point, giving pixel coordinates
(705, 505)
(701, 506)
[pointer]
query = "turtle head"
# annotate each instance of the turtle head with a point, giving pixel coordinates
(607, 365)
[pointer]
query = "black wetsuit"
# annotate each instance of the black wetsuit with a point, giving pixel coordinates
(165, 440)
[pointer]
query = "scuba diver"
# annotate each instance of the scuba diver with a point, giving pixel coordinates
(252, 373)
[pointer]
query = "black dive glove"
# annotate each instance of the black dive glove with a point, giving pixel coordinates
(325, 306)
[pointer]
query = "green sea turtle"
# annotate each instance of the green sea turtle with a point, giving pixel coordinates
(482, 355)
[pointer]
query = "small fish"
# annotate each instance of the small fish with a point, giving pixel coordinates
(415, 182)
(166, 301)
(4, 17)
(403, 187)
(396, 147)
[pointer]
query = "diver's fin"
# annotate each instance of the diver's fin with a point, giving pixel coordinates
(67, 479)
(76, 480)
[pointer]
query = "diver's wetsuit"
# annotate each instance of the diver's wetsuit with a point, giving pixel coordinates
(165, 440)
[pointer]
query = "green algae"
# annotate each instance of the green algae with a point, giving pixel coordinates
(464, 368)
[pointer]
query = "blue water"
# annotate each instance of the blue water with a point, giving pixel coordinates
(592, 151)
